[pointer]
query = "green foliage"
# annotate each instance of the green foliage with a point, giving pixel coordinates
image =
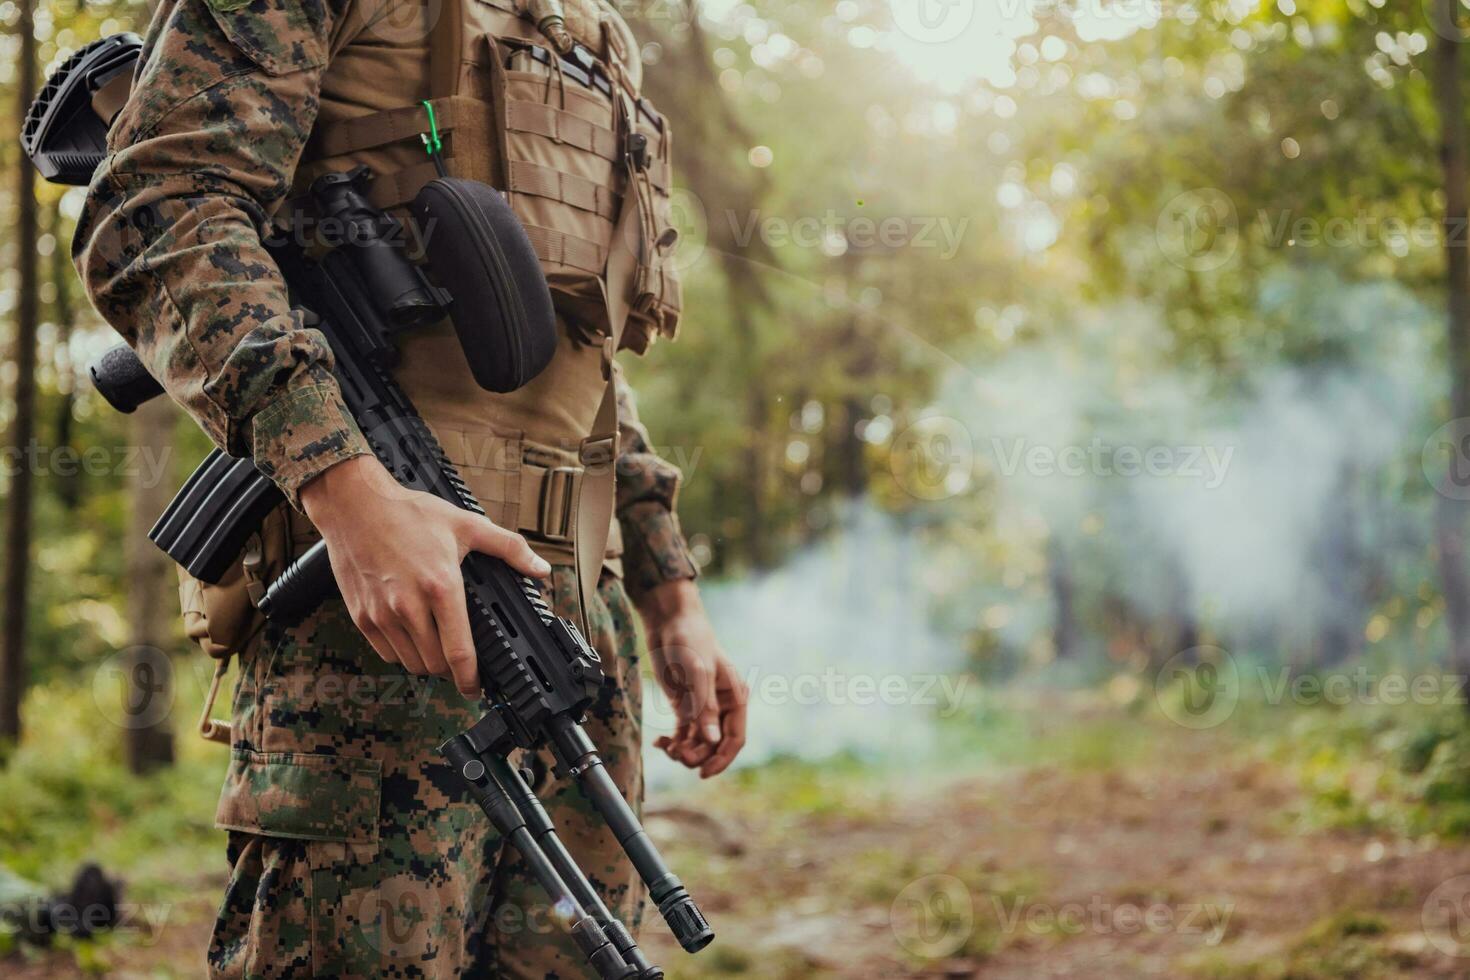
(68, 797)
(1403, 769)
(1344, 945)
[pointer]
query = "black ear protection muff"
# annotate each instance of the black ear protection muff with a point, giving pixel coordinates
(478, 248)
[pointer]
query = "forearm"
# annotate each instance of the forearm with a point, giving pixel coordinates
(654, 548)
(207, 311)
(169, 245)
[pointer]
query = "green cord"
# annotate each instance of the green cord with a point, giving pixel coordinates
(432, 143)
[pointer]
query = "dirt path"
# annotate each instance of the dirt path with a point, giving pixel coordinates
(1183, 866)
(1186, 867)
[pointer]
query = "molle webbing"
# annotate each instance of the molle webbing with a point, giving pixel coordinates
(562, 249)
(563, 125)
(567, 127)
(579, 192)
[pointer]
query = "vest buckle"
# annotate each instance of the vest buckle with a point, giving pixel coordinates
(557, 506)
(637, 151)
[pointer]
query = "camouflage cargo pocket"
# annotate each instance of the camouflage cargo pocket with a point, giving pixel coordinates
(302, 795)
(303, 896)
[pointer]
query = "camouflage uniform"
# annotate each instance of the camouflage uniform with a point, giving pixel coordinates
(352, 852)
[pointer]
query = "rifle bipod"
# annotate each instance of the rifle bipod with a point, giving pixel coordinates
(517, 814)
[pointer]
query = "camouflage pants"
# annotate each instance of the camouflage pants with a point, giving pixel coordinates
(352, 853)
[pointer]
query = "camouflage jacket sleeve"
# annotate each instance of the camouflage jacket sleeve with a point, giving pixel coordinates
(169, 242)
(654, 549)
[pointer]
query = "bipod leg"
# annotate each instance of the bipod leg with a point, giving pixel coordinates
(487, 791)
(539, 822)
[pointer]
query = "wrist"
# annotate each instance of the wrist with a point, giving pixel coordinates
(670, 599)
(341, 488)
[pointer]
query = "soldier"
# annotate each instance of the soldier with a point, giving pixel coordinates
(351, 851)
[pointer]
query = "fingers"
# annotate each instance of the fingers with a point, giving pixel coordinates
(707, 722)
(418, 623)
(687, 747)
(377, 641)
(690, 685)
(482, 535)
(403, 648)
(453, 621)
(736, 703)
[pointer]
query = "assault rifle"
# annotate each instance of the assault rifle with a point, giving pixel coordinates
(539, 674)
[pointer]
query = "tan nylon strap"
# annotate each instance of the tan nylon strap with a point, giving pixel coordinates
(542, 494)
(378, 129)
(579, 192)
(446, 44)
(540, 119)
(661, 174)
(597, 502)
(108, 100)
(559, 248)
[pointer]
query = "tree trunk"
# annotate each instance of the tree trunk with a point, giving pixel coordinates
(69, 485)
(1064, 601)
(151, 595)
(18, 502)
(1185, 622)
(1449, 102)
(755, 524)
(1340, 630)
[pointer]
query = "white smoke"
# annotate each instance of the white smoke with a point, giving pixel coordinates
(1250, 466)
(839, 647)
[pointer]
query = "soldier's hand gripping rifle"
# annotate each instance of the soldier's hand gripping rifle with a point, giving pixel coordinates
(539, 674)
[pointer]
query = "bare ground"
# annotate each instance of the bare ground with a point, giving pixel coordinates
(1186, 864)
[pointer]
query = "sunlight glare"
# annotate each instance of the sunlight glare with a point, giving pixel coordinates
(954, 43)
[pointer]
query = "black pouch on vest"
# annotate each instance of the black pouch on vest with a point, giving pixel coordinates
(478, 249)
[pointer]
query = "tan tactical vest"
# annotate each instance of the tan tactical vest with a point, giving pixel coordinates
(509, 114)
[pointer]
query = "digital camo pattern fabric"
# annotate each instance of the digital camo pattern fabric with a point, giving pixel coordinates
(654, 547)
(353, 853)
(169, 243)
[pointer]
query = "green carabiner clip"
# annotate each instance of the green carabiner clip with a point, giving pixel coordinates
(433, 144)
